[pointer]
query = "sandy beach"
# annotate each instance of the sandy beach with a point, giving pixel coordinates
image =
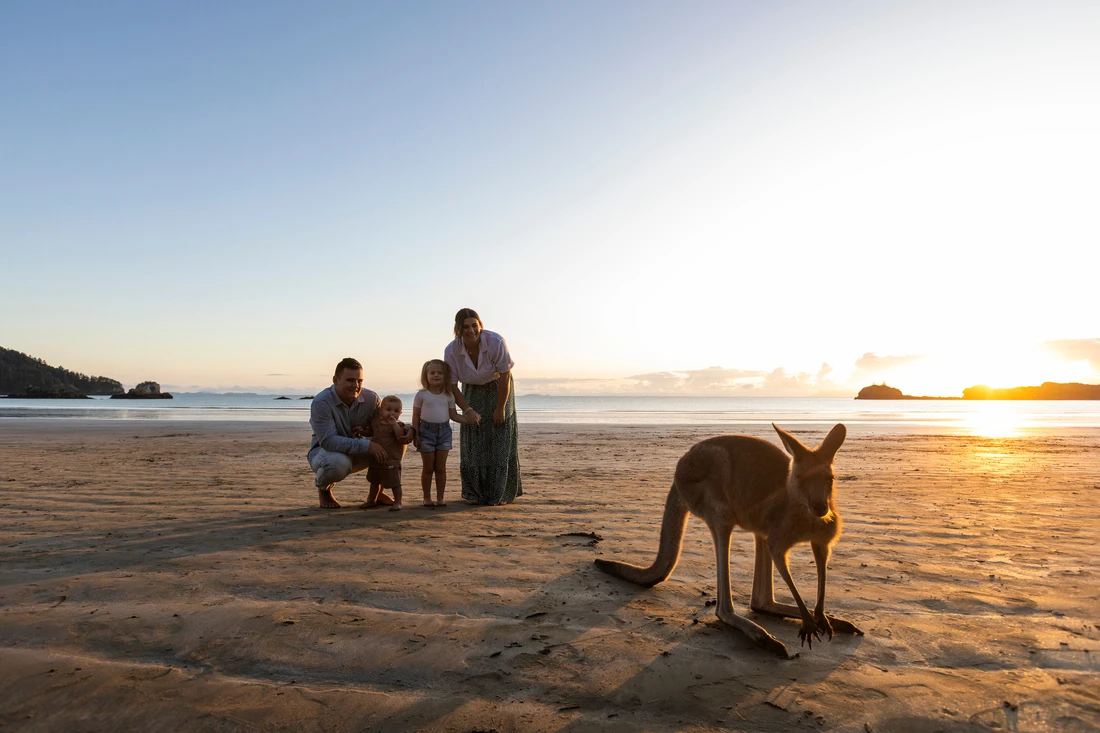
(166, 576)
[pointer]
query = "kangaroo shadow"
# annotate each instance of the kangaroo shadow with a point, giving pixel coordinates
(704, 671)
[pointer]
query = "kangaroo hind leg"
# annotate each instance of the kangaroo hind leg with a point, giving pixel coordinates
(756, 633)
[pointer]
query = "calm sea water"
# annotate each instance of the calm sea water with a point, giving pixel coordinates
(989, 417)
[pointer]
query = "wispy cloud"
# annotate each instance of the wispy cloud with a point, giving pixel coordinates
(1077, 350)
(711, 380)
(872, 362)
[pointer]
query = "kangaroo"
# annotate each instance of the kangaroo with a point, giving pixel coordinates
(740, 481)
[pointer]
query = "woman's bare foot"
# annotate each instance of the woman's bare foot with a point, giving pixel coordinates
(328, 501)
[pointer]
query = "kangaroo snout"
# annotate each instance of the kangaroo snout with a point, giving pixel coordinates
(820, 509)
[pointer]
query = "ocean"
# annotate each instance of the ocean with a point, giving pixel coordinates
(987, 417)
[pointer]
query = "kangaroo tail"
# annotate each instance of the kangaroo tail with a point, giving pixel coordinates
(668, 552)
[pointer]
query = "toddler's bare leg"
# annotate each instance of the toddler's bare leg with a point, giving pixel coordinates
(372, 497)
(396, 499)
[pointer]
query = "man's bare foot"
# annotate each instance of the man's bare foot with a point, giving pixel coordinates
(328, 501)
(395, 508)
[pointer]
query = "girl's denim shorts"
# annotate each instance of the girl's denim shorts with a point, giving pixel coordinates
(435, 436)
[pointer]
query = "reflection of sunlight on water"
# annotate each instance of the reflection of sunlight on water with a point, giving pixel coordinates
(994, 419)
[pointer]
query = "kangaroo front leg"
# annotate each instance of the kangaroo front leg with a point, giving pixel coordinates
(828, 624)
(756, 633)
(809, 626)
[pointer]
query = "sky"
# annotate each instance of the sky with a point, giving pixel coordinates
(641, 197)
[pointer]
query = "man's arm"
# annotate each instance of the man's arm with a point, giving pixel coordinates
(324, 427)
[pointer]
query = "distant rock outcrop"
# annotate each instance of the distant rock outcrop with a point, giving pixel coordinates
(1045, 391)
(883, 392)
(880, 392)
(282, 398)
(144, 391)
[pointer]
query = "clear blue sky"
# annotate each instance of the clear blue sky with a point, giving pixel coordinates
(220, 194)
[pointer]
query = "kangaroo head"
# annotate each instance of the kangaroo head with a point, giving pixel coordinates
(811, 476)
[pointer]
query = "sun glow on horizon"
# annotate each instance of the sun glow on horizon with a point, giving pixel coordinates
(948, 374)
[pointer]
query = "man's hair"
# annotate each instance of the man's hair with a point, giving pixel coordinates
(392, 398)
(346, 363)
(462, 315)
(448, 388)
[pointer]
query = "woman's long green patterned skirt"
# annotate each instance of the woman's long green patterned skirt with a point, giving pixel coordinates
(489, 461)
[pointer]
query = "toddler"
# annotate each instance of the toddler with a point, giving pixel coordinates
(387, 432)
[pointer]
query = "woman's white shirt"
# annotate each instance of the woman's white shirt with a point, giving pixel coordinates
(434, 407)
(492, 359)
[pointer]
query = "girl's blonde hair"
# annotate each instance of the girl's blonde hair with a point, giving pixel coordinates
(448, 388)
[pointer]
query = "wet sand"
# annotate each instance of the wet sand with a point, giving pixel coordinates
(180, 576)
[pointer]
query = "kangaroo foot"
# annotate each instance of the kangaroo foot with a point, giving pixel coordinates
(840, 626)
(756, 634)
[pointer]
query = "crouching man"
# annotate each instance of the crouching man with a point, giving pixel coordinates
(340, 417)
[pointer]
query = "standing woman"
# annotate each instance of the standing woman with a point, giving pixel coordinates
(489, 462)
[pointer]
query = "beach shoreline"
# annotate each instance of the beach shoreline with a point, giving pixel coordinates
(179, 575)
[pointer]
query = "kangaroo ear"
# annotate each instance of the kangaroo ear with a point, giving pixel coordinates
(792, 444)
(832, 442)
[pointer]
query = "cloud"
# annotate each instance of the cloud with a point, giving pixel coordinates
(1077, 350)
(872, 362)
(688, 381)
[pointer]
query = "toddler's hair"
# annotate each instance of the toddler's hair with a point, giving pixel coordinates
(392, 398)
(448, 388)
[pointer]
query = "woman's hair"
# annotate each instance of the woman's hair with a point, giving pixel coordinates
(448, 388)
(462, 315)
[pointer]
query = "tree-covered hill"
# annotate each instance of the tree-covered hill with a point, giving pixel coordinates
(18, 372)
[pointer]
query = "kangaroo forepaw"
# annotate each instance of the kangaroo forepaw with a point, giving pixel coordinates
(808, 633)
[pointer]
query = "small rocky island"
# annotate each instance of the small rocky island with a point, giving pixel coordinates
(144, 391)
(885, 392)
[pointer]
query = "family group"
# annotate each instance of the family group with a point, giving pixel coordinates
(354, 429)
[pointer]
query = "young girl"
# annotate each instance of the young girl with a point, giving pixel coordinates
(433, 408)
